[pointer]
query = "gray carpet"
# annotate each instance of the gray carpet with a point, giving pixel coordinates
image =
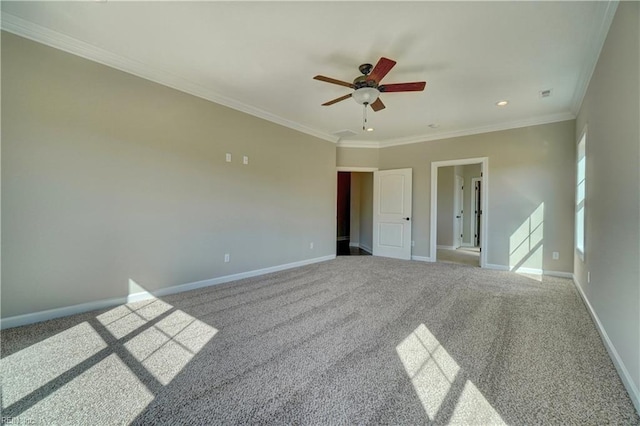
(356, 340)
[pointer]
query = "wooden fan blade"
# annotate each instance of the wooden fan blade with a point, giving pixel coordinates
(377, 105)
(341, 98)
(381, 69)
(416, 86)
(334, 81)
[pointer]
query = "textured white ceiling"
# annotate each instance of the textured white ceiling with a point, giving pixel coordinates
(260, 57)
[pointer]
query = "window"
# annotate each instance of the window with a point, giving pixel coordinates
(581, 178)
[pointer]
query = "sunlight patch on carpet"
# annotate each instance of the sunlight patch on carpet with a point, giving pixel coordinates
(169, 345)
(433, 372)
(121, 398)
(149, 344)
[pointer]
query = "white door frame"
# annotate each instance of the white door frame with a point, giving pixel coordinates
(433, 229)
(473, 208)
(458, 201)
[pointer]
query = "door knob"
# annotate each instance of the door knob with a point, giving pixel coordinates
(457, 217)
(406, 218)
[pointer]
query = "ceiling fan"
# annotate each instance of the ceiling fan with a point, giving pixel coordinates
(367, 87)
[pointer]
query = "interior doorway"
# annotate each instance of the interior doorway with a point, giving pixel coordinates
(476, 205)
(458, 210)
(354, 212)
(458, 222)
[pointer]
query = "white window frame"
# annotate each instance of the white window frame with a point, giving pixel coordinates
(581, 195)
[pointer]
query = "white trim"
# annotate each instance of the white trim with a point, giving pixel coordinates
(456, 200)
(558, 274)
(43, 35)
(25, 319)
(354, 244)
(32, 31)
(626, 378)
(534, 121)
(591, 60)
(466, 244)
(356, 169)
(446, 247)
(496, 267)
(366, 248)
(422, 258)
(484, 219)
(358, 144)
(472, 206)
(538, 271)
(532, 271)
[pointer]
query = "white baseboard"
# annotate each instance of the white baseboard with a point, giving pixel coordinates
(447, 247)
(354, 244)
(18, 320)
(496, 267)
(467, 245)
(25, 319)
(532, 271)
(361, 247)
(366, 248)
(422, 258)
(558, 274)
(626, 378)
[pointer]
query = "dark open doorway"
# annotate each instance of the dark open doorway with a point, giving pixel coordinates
(354, 213)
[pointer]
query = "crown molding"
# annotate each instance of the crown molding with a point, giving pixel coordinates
(40, 34)
(595, 47)
(534, 121)
(358, 144)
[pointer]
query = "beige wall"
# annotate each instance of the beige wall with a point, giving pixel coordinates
(357, 157)
(611, 112)
(527, 167)
(107, 177)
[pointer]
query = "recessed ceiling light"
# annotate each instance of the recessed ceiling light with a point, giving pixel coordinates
(502, 103)
(370, 129)
(434, 125)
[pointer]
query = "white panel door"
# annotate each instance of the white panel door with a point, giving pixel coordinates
(458, 203)
(392, 213)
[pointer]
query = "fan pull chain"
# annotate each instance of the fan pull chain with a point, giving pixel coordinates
(364, 117)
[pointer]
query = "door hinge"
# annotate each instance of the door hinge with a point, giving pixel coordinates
(480, 249)
(481, 174)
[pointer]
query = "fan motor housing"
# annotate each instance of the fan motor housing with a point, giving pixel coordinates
(362, 81)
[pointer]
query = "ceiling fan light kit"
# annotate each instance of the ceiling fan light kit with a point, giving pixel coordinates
(367, 88)
(366, 95)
